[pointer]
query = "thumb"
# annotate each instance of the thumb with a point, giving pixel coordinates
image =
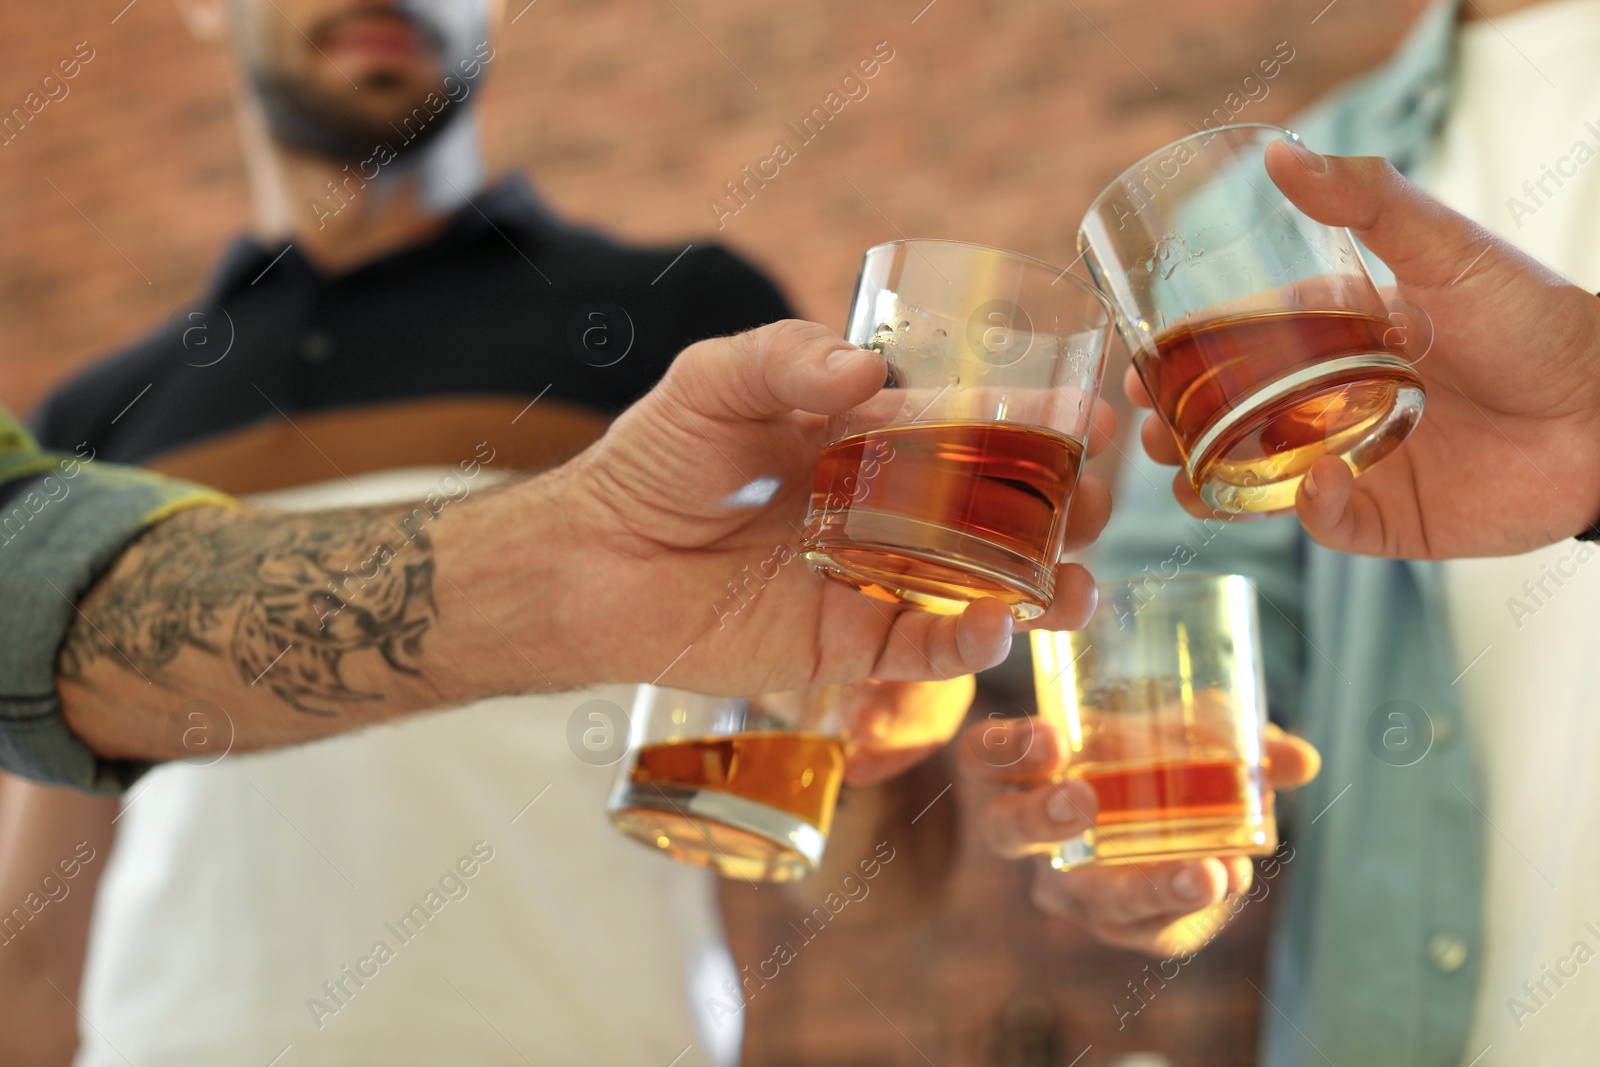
(1422, 241)
(773, 370)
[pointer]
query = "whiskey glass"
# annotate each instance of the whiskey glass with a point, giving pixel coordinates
(953, 482)
(1161, 704)
(744, 785)
(1256, 330)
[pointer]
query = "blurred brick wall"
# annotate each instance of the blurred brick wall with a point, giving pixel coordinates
(996, 121)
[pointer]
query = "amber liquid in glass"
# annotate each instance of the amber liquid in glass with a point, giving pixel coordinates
(1317, 383)
(941, 514)
(738, 803)
(1155, 810)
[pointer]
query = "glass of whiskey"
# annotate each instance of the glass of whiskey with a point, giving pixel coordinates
(744, 785)
(953, 482)
(1256, 330)
(1161, 703)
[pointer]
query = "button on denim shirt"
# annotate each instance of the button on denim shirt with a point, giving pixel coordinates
(1378, 940)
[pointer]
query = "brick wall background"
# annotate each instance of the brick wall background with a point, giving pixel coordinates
(996, 121)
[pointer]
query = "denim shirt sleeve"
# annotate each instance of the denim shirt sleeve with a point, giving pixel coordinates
(63, 520)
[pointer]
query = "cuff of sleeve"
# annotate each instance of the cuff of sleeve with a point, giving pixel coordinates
(58, 533)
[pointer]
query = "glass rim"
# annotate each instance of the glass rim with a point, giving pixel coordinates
(812, 704)
(1103, 589)
(1061, 273)
(1101, 196)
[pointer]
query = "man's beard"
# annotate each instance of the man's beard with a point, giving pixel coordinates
(301, 119)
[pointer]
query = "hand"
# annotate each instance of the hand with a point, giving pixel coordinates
(1507, 455)
(892, 726)
(668, 551)
(1147, 907)
(682, 528)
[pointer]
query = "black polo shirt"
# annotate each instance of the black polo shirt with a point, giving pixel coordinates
(507, 301)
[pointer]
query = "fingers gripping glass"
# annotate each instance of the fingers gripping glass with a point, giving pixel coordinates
(1256, 330)
(1161, 703)
(953, 482)
(746, 786)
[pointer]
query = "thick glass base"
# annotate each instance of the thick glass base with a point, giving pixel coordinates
(943, 573)
(1358, 408)
(738, 838)
(1154, 840)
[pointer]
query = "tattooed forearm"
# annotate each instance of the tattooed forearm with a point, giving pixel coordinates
(282, 598)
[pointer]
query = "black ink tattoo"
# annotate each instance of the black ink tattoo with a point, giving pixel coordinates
(283, 597)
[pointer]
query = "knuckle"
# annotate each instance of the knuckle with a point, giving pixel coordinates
(1048, 897)
(1093, 895)
(691, 356)
(1377, 171)
(790, 335)
(1016, 825)
(989, 752)
(1035, 824)
(748, 352)
(999, 827)
(1041, 830)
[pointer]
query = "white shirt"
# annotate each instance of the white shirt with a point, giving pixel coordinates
(1526, 629)
(236, 891)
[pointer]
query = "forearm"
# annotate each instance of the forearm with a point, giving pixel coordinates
(293, 627)
(54, 845)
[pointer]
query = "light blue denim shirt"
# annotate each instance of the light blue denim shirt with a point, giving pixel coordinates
(1376, 954)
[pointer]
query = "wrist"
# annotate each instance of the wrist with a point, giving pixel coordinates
(511, 572)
